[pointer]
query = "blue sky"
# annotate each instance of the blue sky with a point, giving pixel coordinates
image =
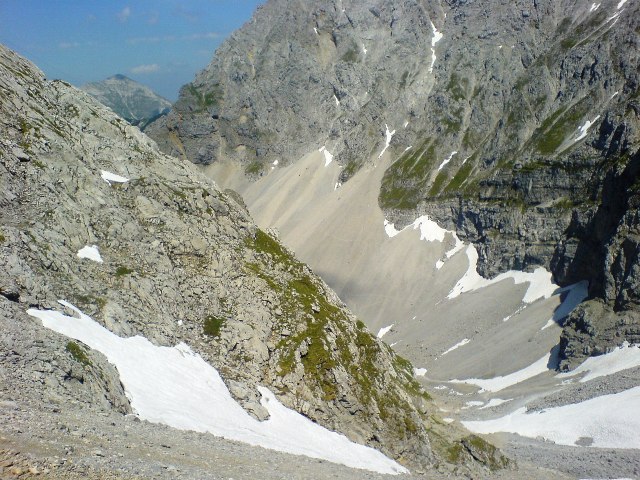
(161, 43)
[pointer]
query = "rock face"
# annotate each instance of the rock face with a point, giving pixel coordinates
(136, 103)
(516, 125)
(181, 262)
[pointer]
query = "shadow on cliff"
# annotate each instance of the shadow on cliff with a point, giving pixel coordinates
(594, 236)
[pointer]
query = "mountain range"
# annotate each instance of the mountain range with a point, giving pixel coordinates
(136, 103)
(413, 224)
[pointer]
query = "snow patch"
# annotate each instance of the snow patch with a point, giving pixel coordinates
(389, 136)
(275, 163)
(612, 421)
(624, 357)
(448, 420)
(437, 36)
(576, 294)
(540, 284)
(384, 330)
(176, 387)
(405, 124)
(337, 101)
(112, 177)
(594, 7)
(508, 317)
(419, 372)
(429, 230)
(364, 49)
(614, 94)
(91, 252)
(446, 160)
(328, 158)
(457, 345)
(316, 30)
(494, 402)
(582, 131)
(620, 4)
(337, 186)
(390, 229)
(500, 383)
(471, 404)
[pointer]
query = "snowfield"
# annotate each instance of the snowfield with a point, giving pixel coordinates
(609, 421)
(176, 387)
(90, 252)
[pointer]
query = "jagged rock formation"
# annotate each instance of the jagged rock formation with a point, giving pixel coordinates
(136, 103)
(181, 261)
(520, 124)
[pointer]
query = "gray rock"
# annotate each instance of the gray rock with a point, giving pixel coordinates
(182, 262)
(508, 93)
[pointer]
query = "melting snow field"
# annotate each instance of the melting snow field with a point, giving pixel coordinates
(176, 387)
(328, 158)
(446, 160)
(540, 284)
(437, 36)
(620, 359)
(384, 330)
(500, 383)
(576, 294)
(611, 421)
(112, 177)
(388, 136)
(461, 343)
(91, 252)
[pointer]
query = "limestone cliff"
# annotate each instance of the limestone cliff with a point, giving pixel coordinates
(514, 124)
(180, 261)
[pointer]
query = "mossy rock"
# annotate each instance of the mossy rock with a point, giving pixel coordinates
(121, 271)
(211, 325)
(78, 353)
(484, 452)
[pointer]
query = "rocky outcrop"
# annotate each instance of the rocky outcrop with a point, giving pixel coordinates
(180, 261)
(136, 103)
(516, 125)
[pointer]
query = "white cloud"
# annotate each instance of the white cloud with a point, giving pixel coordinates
(124, 15)
(142, 69)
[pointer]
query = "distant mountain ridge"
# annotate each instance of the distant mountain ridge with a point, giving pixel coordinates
(136, 103)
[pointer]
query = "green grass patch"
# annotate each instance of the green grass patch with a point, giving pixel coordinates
(438, 183)
(211, 325)
(461, 176)
(559, 126)
(91, 300)
(351, 55)
(122, 271)
(254, 168)
(404, 181)
(78, 353)
(457, 87)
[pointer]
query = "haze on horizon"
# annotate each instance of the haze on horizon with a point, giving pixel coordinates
(159, 43)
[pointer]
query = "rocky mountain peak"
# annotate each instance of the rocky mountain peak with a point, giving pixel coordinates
(516, 125)
(136, 103)
(94, 214)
